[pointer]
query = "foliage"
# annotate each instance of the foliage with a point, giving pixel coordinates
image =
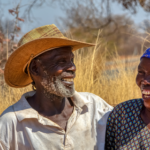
(9, 29)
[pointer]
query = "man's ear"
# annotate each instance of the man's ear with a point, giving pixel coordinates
(34, 68)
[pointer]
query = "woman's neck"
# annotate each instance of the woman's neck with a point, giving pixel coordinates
(145, 115)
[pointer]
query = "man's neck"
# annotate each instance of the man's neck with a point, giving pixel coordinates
(48, 106)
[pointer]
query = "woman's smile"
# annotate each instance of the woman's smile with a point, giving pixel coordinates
(145, 89)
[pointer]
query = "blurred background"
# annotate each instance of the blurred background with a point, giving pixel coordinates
(120, 29)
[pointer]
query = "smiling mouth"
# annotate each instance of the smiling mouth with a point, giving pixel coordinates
(146, 94)
(67, 79)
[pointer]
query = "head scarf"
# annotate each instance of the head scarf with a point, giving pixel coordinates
(146, 54)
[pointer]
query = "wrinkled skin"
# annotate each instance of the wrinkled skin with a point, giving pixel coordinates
(53, 73)
(143, 81)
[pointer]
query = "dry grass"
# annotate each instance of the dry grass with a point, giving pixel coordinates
(9, 96)
(114, 83)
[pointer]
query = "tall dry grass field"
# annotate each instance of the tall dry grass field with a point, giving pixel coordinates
(9, 96)
(113, 80)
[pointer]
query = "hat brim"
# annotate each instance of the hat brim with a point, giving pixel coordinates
(14, 74)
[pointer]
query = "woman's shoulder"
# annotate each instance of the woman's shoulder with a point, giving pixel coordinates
(133, 103)
(128, 111)
(127, 108)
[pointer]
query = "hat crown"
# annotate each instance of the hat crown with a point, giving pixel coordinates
(47, 31)
(32, 44)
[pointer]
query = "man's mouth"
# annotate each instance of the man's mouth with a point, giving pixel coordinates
(68, 81)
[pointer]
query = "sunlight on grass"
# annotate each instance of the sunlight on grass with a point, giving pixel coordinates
(112, 80)
(114, 83)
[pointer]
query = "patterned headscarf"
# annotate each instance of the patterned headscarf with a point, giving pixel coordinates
(146, 54)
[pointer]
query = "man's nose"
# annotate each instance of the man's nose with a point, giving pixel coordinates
(71, 67)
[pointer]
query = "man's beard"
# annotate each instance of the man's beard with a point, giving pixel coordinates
(54, 86)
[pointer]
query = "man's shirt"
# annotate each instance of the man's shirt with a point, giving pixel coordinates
(23, 128)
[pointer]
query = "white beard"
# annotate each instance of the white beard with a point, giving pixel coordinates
(55, 86)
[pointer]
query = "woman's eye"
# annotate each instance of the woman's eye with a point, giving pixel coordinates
(141, 72)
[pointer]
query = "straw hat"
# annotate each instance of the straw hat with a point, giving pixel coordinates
(32, 44)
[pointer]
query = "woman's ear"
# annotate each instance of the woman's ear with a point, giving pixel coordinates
(34, 68)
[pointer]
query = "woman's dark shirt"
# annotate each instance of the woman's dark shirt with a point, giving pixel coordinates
(125, 129)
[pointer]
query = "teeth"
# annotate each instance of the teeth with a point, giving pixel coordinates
(68, 79)
(146, 96)
(146, 92)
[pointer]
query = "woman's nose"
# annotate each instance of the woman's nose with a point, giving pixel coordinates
(146, 81)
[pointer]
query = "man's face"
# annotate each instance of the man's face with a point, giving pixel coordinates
(57, 72)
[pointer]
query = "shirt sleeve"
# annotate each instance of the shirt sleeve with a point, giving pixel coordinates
(102, 110)
(7, 130)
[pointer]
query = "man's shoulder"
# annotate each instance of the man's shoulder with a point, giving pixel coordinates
(91, 96)
(8, 122)
(8, 116)
(96, 100)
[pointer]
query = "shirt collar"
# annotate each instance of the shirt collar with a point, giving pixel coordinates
(24, 111)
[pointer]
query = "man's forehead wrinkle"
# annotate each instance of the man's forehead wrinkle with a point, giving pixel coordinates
(63, 54)
(47, 55)
(55, 53)
(54, 57)
(60, 55)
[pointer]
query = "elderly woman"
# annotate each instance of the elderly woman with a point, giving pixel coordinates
(128, 125)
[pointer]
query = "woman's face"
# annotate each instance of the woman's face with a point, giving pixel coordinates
(143, 80)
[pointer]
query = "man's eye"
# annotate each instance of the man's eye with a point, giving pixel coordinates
(62, 61)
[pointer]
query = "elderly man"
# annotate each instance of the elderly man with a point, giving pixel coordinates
(53, 116)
